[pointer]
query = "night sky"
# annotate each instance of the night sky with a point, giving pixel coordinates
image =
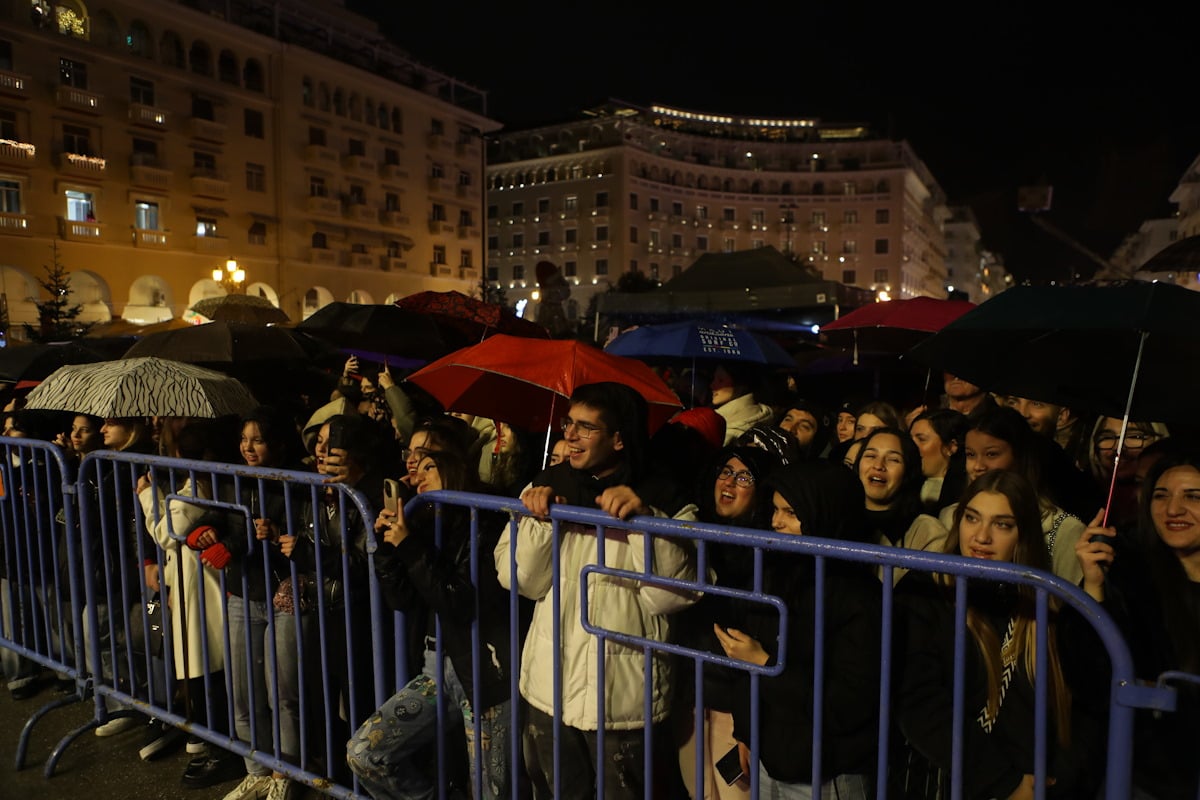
(990, 97)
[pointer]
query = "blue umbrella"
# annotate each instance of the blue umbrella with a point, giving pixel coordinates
(700, 340)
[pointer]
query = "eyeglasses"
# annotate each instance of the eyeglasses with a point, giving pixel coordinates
(743, 478)
(1134, 440)
(414, 452)
(584, 429)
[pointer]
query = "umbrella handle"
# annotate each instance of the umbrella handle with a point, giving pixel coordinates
(1112, 485)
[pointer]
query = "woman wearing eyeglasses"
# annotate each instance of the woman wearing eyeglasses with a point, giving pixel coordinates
(729, 494)
(1103, 456)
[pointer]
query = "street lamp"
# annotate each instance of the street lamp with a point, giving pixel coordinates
(231, 278)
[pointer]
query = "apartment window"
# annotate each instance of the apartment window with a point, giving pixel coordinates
(601, 199)
(881, 247)
(206, 226)
(10, 196)
(145, 152)
(317, 186)
(571, 235)
(437, 170)
(8, 126)
(849, 188)
(518, 208)
(543, 238)
(202, 108)
(80, 206)
(702, 243)
(653, 204)
(850, 217)
(701, 212)
(6, 59)
(655, 238)
(570, 269)
(437, 127)
(439, 254)
(204, 163)
(391, 201)
(493, 211)
(320, 241)
(881, 276)
(145, 215)
(677, 240)
(570, 203)
(257, 233)
(464, 178)
(677, 209)
(493, 243)
(72, 73)
(729, 214)
(357, 194)
(601, 266)
(518, 272)
(882, 216)
(730, 245)
(848, 277)
(356, 147)
(756, 243)
(543, 205)
(601, 233)
(141, 91)
(818, 247)
(256, 177)
(77, 139)
(633, 201)
(633, 265)
(633, 234)
(758, 216)
(518, 240)
(493, 274)
(849, 246)
(254, 123)
(464, 259)
(316, 136)
(464, 218)
(654, 271)
(391, 156)
(818, 219)
(438, 212)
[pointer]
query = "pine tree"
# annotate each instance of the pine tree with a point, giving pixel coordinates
(57, 316)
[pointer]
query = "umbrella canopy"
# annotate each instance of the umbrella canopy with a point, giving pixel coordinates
(33, 362)
(1129, 347)
(473, 320)
(527, 382)
(1182, 256)
(700, 340)
(892, 326)
(377, 331)
(219, 343)
(141, 387)
(251, 309)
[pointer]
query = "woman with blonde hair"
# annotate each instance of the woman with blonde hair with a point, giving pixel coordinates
(999, 519)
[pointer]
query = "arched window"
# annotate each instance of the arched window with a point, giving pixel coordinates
(397, 121)
(306, 92)
(323, 97)
(227, 67)
(105, 31)
(355, 107)
(71, 19)
(383, 116)
(339, 102)
(139, 41)
(369, 111)
(319, 241)
(252, 75)
(170, 49)
(200, 59)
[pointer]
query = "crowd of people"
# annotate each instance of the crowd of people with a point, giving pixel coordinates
(967, 473)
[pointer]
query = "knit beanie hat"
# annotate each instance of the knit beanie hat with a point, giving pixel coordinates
(705, 421)
(774, 440)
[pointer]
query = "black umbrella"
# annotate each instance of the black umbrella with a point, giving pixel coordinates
(215, 344)
(377, 331)
(33, 362)
(1123, 350)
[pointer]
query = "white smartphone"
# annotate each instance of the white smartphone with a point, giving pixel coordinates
(391, 495)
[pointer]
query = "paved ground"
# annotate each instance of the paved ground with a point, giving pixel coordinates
(91, 768)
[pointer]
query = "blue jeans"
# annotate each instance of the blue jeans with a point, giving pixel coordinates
(842, 787)
(254, 689)
(382, 752)
(17, 669)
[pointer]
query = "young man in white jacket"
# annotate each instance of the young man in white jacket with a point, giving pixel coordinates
(606, 468)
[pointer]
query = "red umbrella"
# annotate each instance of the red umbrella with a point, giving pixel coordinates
(527, 382)
(893, 326)
(474, 319)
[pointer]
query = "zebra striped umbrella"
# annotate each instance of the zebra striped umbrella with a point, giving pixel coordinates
(142, 387)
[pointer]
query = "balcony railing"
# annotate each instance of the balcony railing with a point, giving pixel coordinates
(82, 164)
(389, 263)
(148, 238)
(439, 186)
(13, 84)
(468, 273)
(363, 260)
(150, 176)
(212, 244)
(78, 99)
(207, 129)
(323, 205)
(468, 232)
(440, 226)
(361, 212)
(393, 172)
(14, 223)
(78, 230)
(319, 153)
(395, 219)
(210, 186)
(359, 164)
(150, 116)
(324, 256)
(11, 150)
(439, 270)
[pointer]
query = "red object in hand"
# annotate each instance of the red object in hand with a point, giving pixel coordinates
(216, 555)
(193, 538)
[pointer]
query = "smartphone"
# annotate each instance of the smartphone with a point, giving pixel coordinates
(337, 434)
(391, 495)
(730, 766)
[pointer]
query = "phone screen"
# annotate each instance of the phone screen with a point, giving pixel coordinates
(391, 495)
(730, 766)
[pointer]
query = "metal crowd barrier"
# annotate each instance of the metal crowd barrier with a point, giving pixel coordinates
(351, 648)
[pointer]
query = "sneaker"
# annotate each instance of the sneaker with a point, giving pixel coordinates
(252, 787)
(159, 740)
(210, 770)
(196, 745)
(116, 725)
(281, 789)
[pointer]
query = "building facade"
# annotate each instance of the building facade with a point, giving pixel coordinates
(143, 145)
(649, 190)
(972, 271)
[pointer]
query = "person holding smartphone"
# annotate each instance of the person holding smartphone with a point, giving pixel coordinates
(418, 575)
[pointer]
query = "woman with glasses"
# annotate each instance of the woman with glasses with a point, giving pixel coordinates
(1102, 458)
(730, 495)
(433, 435)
